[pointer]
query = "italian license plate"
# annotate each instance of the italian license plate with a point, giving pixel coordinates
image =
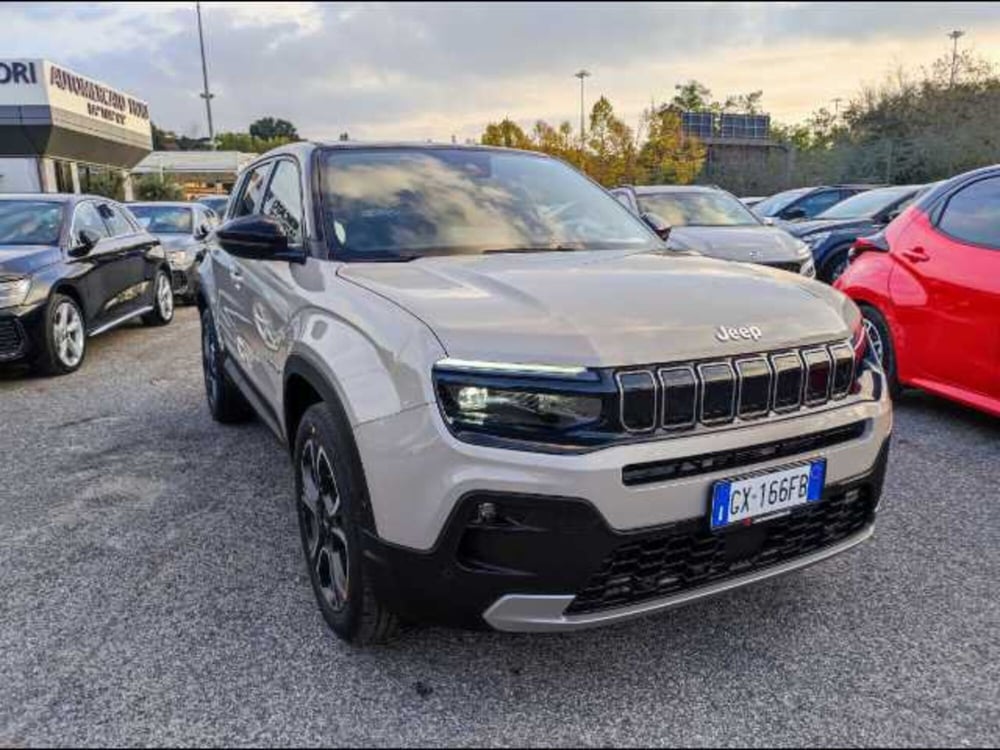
(743, 499)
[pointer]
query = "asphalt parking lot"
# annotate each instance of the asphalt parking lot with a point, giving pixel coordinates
(154, 592)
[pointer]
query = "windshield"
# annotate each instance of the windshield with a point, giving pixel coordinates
(698, 209)
(868, 204)
(777, 202)
(401, 203)
(30, 222)
(163, 219)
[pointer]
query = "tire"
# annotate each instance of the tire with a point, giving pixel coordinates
(225, 402)
(881, 340)
(834, 265)
(65, 337)
(329, 502)
(163, 301)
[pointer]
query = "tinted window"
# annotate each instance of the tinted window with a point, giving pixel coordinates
(818, 203)
(164, 219)
(283, 201)
(30, 222)
(973, 214)
(405, 202)
(115, 220)
(253, 190)
(86, 217)
(771, 206)
(698, 209)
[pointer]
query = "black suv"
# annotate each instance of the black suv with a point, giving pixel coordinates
(73, 266)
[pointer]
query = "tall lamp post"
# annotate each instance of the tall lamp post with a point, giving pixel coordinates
(954, 36)
(581, 74)
(206, 94)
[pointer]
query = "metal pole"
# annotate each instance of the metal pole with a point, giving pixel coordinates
(954, 36)
(581, 74)
(206, 95)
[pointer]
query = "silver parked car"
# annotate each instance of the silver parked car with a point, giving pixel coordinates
(182, 229)
(715, 223)
(509, 405)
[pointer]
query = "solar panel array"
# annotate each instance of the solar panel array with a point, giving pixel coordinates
(726, 125)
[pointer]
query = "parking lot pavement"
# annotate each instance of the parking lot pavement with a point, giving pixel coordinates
(153, 592)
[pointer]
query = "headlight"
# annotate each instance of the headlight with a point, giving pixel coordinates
(815, 240)
(484, 402)
(14, 292)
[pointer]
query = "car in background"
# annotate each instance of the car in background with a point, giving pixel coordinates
(71, 267)
(215, 202)
(806, 202)
(182, 229)
(928, 286)
(713, 222)
(831, 233)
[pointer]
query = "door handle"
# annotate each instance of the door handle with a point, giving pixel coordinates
(916, 255)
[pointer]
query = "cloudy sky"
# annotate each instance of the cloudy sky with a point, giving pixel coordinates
(418, 71)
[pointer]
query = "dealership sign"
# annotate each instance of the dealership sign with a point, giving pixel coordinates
(27, 83)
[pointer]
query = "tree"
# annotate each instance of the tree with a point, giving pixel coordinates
(692, 96)
(611, 158)
(269, 129)
(506, 133)
(668, 156)
(151, 187)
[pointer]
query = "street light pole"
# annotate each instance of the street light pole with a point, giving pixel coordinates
(954, 36)
(581, 74)
(206, 95)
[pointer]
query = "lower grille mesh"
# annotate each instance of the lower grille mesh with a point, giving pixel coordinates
(688, 555)
(10, 338)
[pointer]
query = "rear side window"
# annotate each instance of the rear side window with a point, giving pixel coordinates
(283, 201)
(252, 192)
(973, 214)
(115, 219)
(87, 217)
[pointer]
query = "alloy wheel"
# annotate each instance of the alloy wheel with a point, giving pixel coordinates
(876, 338)
(164, 297)
(322, 520)
(68, 334)
(210, 361)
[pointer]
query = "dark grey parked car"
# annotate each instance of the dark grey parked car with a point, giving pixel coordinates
(182, 229)
(713, 222)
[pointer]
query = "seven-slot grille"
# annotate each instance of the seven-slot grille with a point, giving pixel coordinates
(11, 340)
(678, 397)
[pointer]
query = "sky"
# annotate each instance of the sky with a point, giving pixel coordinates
(422, 71)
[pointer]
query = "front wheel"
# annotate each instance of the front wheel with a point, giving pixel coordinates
(835, 265)
(65, 343)
(163, 301)
(880, 337)
(225, 402)
(329, 486)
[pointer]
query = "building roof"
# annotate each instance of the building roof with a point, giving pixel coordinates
(194, 162)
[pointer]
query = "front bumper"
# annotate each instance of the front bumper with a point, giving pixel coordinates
(565, 518)
(184, 279)
(21, 330)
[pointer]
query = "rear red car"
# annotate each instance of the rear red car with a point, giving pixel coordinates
(929, 288)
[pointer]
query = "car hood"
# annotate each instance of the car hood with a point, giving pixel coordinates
(604, 308)
(802, 228)
(24, 260)
(757, 244)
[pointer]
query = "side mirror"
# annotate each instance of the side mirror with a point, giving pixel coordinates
(874, 243)
(657, 224)
(792, 214)
(891, 215)
(767, 221)
(257, 238)
(201, 231)
(88, 238)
